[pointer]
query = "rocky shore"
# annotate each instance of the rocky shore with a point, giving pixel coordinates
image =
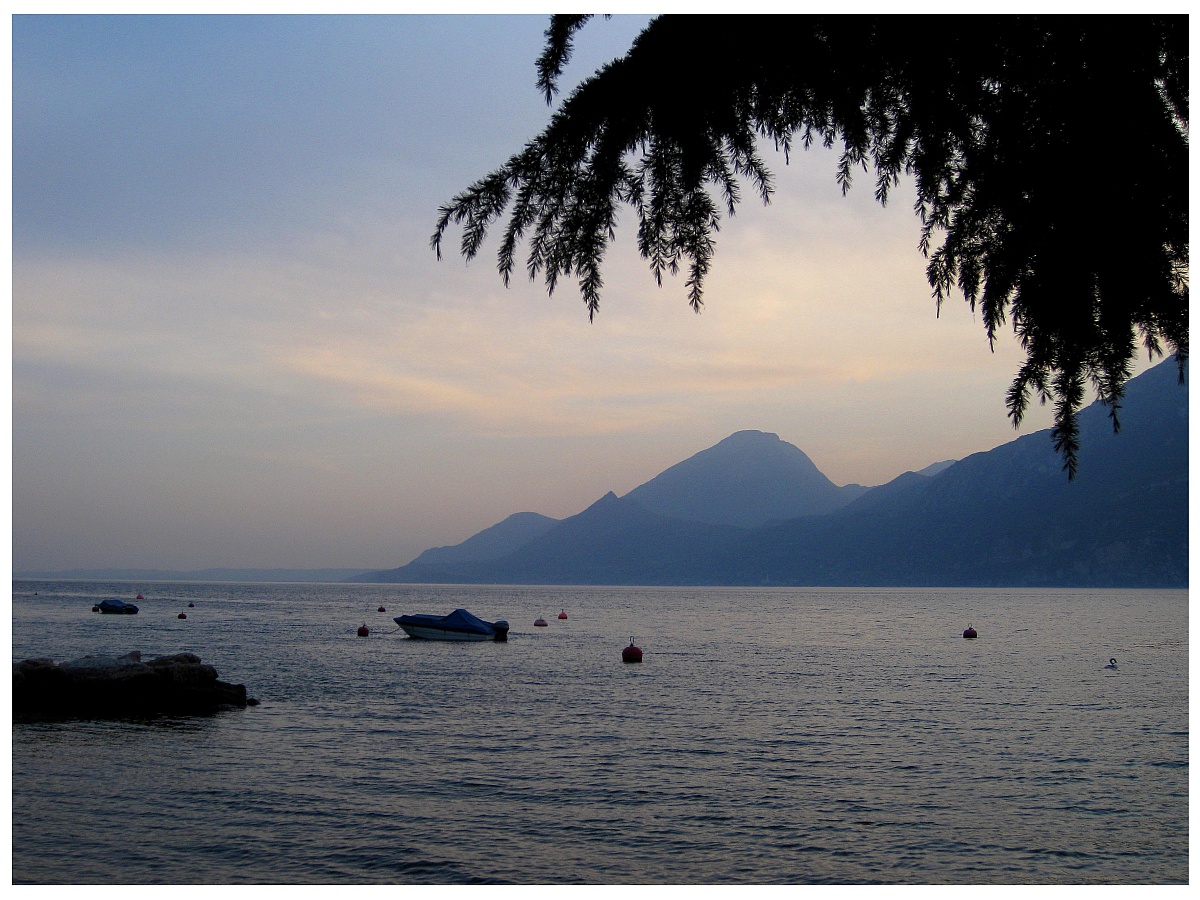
(113, 687)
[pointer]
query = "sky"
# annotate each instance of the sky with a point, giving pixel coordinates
(233, 346)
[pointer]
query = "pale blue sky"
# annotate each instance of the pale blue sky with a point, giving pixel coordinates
(233, 346)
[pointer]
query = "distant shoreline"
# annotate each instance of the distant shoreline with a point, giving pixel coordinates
(244, 576)
(311, 578)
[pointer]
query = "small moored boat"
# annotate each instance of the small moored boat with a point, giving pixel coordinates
(459, 625)
(116, 606)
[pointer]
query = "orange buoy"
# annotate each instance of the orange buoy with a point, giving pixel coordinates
(363, 630)
(540, 623)
(563, 614)
(631, 654)
(139, 597)
(381, 609)
(970, 632)
(182, 616)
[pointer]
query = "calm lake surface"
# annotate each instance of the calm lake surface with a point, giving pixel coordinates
(770, 736)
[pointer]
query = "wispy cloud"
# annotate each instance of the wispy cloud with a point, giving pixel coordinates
(327, 321)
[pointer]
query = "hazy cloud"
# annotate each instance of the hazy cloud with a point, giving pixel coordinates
(233, 346)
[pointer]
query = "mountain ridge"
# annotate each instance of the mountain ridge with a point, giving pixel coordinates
(747, 479)
(1006, 516)
(498, 540)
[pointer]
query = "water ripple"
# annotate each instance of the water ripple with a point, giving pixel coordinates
(815, 748)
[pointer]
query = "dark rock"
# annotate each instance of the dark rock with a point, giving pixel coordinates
(178, 658)
(116, 687)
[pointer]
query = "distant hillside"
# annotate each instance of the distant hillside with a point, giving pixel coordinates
(937, 467)
(613, 541)
(748, 479)
(1007, 517)
(492, 543)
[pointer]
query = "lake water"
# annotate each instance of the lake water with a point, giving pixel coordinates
(786, 736)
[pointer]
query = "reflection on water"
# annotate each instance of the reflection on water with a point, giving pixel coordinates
(769, 736)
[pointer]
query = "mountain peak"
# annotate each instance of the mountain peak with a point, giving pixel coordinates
(604, 502)
(750, 434)
(747, 479)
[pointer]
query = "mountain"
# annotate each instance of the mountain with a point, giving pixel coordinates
(1009, 516)
(616, 540)
(935, 468)
(748, 479)
(491, 543)
(1005, 517)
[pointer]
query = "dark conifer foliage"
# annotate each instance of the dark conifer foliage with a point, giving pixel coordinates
(1050, 157)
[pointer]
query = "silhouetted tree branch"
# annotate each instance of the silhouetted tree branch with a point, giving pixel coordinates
(1049, 154)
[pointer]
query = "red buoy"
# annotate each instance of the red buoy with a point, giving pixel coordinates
(631, 654)
(381, 609)
(363, 630)
(182, 616)
(540, 623)
(970, 632)
(563, 614)
(139, 597)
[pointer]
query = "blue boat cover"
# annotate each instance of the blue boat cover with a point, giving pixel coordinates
(459, 620)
